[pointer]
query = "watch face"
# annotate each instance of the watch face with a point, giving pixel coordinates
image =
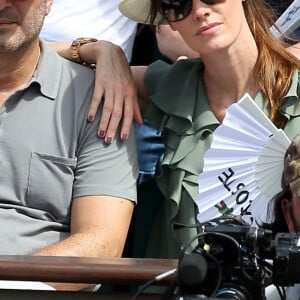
(81, 41)
(86, 40)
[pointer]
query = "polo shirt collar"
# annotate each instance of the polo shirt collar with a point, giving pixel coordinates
(48, 72)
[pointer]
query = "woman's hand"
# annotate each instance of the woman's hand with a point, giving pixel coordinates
(114, 86)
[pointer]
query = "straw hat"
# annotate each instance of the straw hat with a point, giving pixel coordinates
(139, 11)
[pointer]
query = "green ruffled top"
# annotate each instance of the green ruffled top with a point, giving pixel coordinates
(179, 109)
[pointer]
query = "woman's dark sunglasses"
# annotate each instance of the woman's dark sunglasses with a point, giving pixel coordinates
(177, 10)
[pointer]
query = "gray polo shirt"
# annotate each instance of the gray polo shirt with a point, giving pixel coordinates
(49, 154)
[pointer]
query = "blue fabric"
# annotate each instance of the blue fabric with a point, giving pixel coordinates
(150, 149)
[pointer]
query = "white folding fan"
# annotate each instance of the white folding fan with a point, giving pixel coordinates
(243, 167)
(289, 20)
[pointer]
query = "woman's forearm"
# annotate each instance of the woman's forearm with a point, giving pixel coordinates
(113, 85)
(62, 48)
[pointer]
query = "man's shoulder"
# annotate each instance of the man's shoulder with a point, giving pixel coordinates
(54, 63)
(69, 82)
(77, 71)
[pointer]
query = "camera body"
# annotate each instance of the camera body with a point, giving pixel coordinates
(286, 259)
(232, 262)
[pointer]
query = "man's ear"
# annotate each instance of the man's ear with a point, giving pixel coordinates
(286, 210)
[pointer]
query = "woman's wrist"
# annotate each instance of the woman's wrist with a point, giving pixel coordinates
(92, 52)
(75, 47)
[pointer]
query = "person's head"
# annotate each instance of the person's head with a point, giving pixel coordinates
(236, 21)
(291, 181)
(206, 26)
(286, 205)
(174, 12)
(21, 22)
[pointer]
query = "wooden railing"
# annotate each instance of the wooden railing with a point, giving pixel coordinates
(84, 269)
(120, 271)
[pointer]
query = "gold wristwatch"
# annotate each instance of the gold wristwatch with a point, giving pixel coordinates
(75, 48)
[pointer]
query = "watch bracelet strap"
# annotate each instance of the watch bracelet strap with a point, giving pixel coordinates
(75, 46)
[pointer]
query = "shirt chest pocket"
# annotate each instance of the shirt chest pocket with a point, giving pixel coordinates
(50, 185)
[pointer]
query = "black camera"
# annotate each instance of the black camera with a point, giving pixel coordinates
(286, 259)
(237, 262)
